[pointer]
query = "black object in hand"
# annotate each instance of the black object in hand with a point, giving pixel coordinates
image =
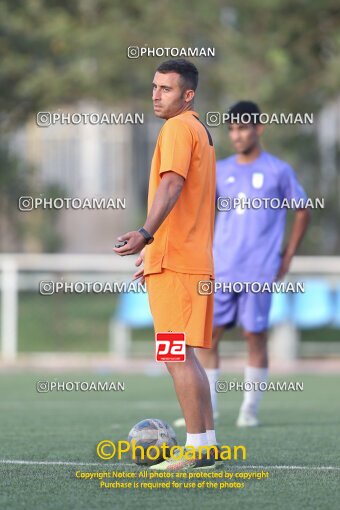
(120, 244)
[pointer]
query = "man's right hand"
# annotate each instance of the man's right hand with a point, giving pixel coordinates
(140, 272)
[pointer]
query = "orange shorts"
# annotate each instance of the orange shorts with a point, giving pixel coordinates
(176, 305)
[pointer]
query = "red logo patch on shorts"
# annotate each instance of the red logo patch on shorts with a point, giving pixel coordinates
(170, 346)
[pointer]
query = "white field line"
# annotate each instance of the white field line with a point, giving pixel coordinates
(61, 463)
(122, 464)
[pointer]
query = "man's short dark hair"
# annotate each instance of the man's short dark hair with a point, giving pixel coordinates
(246, 108)
(184, 68)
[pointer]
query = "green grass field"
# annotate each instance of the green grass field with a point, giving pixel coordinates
(298, 444)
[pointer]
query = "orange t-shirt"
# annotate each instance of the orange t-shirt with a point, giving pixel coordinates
(183, 242)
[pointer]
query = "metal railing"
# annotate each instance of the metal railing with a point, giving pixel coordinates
(12, 264)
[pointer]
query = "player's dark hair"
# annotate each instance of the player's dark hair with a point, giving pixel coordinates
(245, 107)
(184, 68)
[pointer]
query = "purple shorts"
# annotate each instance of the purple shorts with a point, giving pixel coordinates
(250, 310)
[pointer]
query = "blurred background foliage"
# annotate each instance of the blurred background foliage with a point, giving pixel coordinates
(283, 54)
(286, 53)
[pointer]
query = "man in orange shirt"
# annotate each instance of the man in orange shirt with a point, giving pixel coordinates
(178, 234)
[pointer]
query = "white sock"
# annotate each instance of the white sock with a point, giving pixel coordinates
(197, 440)
(251, 399)
(211, 436)
(213, 374)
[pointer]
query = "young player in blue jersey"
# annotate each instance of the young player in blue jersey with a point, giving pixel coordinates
(248, 248)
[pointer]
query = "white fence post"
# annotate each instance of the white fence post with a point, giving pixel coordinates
(119, 339)
(9, 310)
(284, 340)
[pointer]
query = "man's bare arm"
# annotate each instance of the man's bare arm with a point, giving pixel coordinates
(300, 224)
(164, 200)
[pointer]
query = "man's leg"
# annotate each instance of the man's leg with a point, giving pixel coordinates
(210, 360)
(257, 349)
(256, 371)
(208, 363)
(225, 310)
(209, 423)
(254, 311)
(192, 389)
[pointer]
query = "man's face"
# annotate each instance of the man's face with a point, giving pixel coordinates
(244, 137)
(169, 98)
